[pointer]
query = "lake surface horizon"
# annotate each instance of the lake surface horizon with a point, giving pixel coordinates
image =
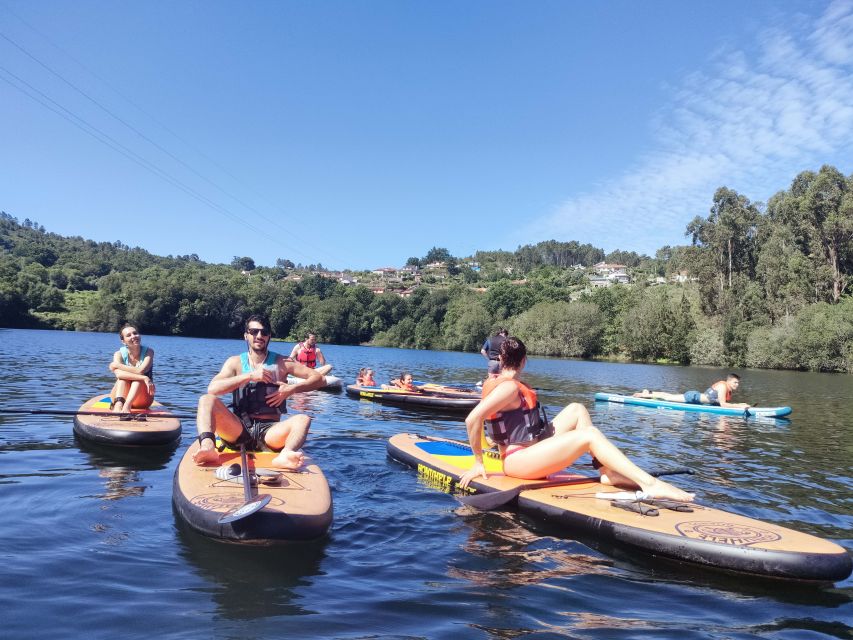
(93, 548)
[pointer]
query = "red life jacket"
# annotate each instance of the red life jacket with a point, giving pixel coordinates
(523, 425)
(307, 356)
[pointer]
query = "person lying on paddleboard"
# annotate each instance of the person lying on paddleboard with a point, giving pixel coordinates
(404, 382)
(308, 353)
(133, 366)
(718, 394)
(532, 448)
(258, 381)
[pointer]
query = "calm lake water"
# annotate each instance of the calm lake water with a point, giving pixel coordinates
(91, 547)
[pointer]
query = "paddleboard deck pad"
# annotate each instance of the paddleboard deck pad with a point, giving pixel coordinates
(704, 536)
(455, 401)
(767, 412)
(158, 429)
(300, 508)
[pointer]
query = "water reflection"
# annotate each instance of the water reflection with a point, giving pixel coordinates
(517, 555)
(120, 467)
(248, 583)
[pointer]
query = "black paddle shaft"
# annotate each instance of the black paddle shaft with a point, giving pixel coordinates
(57, 412)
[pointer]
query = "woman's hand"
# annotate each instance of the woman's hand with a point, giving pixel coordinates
(478, 469)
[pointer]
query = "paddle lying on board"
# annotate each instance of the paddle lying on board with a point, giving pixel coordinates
(57, 412)
(251, 505)
(496, 499)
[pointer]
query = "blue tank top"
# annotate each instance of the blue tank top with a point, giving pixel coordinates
(272, 357)
(125, 356)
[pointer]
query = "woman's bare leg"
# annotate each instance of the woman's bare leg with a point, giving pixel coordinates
(660, 395)
(562, 449)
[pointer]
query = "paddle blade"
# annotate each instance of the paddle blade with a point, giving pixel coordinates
(491, 500)
(246, 509)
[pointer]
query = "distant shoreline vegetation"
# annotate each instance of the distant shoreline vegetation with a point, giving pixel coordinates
(764, 286)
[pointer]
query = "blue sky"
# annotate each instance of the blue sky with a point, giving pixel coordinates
(359, 134)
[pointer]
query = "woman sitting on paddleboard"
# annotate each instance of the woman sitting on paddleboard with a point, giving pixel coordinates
(532, 448)
(133, 366)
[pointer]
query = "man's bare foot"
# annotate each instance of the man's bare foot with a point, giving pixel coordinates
(288, 460)
(665, 491)
(643, 394)
(206, 456)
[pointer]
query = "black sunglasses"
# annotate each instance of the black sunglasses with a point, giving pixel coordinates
(254, 332)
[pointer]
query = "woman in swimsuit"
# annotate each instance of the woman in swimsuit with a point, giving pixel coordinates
(573, 436)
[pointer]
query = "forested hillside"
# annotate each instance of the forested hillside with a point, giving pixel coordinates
(759, 285)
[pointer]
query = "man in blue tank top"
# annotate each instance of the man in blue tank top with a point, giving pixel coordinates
(258, 380)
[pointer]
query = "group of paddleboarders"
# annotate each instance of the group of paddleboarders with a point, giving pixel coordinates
(257, 380)
(530, 446)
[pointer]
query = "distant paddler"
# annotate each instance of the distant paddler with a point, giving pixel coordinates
(718, 394)
(257, 380)
(308, 354)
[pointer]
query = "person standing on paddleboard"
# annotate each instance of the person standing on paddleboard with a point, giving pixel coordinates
(258, 381)
(491, 350)
(718, 394)
(133, 366)
(532, 448)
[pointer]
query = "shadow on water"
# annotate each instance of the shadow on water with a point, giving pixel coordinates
(138, 458)
(251, 582)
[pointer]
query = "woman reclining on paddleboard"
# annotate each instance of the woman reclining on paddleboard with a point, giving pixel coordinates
(532, 448)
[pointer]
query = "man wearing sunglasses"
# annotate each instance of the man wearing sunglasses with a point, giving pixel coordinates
(257, 379)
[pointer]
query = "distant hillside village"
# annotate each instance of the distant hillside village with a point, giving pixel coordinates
(759, 285)
(404, 281)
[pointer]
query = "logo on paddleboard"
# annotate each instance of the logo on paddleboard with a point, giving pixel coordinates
(223, 502)
(738, 535)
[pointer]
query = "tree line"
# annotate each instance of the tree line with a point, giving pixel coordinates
(759, 286)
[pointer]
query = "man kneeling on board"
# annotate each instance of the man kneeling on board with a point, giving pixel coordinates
(719, 393)
(258, 381)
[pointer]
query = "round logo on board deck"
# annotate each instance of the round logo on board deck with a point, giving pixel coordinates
(224, 502)
(726, 533)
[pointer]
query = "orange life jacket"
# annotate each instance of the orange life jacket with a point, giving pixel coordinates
(713, 392)
(523, 425)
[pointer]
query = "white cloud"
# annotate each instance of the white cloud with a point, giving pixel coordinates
(750, 123)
